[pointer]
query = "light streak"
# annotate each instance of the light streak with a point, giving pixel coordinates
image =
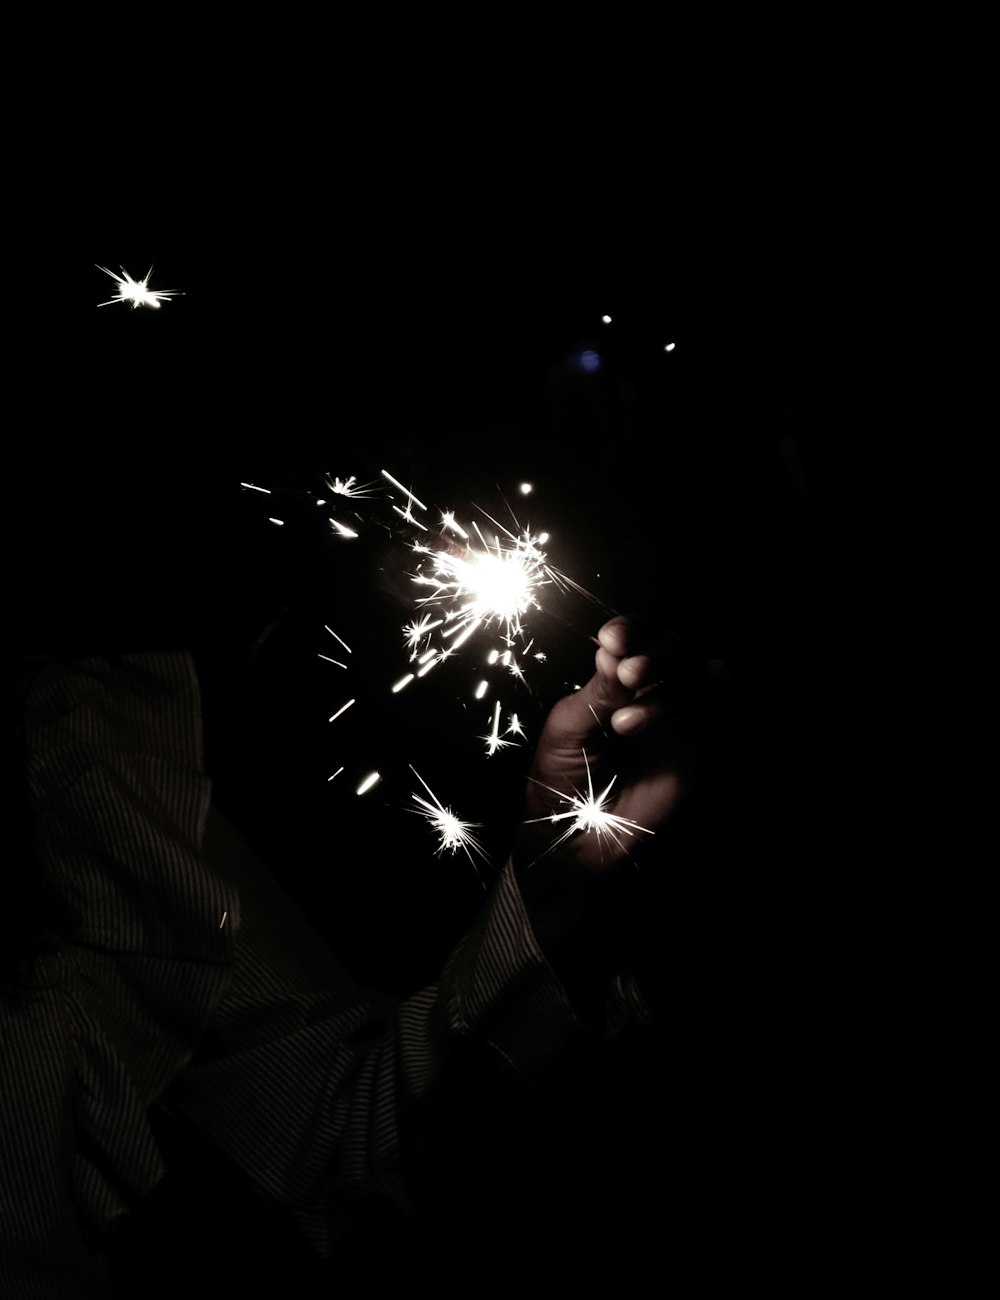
(327, 628)
(372, 779)
(343, 709)
(136, 291)
(396, 483)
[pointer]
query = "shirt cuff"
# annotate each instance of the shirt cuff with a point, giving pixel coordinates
(502, 991)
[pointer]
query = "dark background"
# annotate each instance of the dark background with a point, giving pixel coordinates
(356, 298)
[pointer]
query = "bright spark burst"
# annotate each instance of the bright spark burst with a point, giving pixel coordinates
(136, 291)
(349, 487)
(591, 814)
(494, 583)
(452, 832)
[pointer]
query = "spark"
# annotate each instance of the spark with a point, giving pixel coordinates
(493, 739)
(590, 813)
(396, 483)
(349, 487)
(372, 779)
(454, 834)
(136, 291)
(327, 628)
(343, 709)
(448, 521)
(330, 660)
(416, 634)
(341, 529)
(252, 486)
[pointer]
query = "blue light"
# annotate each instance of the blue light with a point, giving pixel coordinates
(588, 361)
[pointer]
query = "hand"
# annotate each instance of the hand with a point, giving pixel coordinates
(610, 764)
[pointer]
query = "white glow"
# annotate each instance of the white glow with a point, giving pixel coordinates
(136, 291)
(590, 814)
(454, 833)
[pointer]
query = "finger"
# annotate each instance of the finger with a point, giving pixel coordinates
(592, 706)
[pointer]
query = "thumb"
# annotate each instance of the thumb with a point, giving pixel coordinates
(578, 716)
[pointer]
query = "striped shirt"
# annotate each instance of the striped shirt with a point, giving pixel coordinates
(192, 982)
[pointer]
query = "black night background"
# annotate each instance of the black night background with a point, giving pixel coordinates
(412, 302)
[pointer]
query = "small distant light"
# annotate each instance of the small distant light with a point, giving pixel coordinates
(670, 347)
(606, 320)
(526, 489)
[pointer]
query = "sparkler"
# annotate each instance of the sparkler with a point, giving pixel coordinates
(136, 291)
(466, 581)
